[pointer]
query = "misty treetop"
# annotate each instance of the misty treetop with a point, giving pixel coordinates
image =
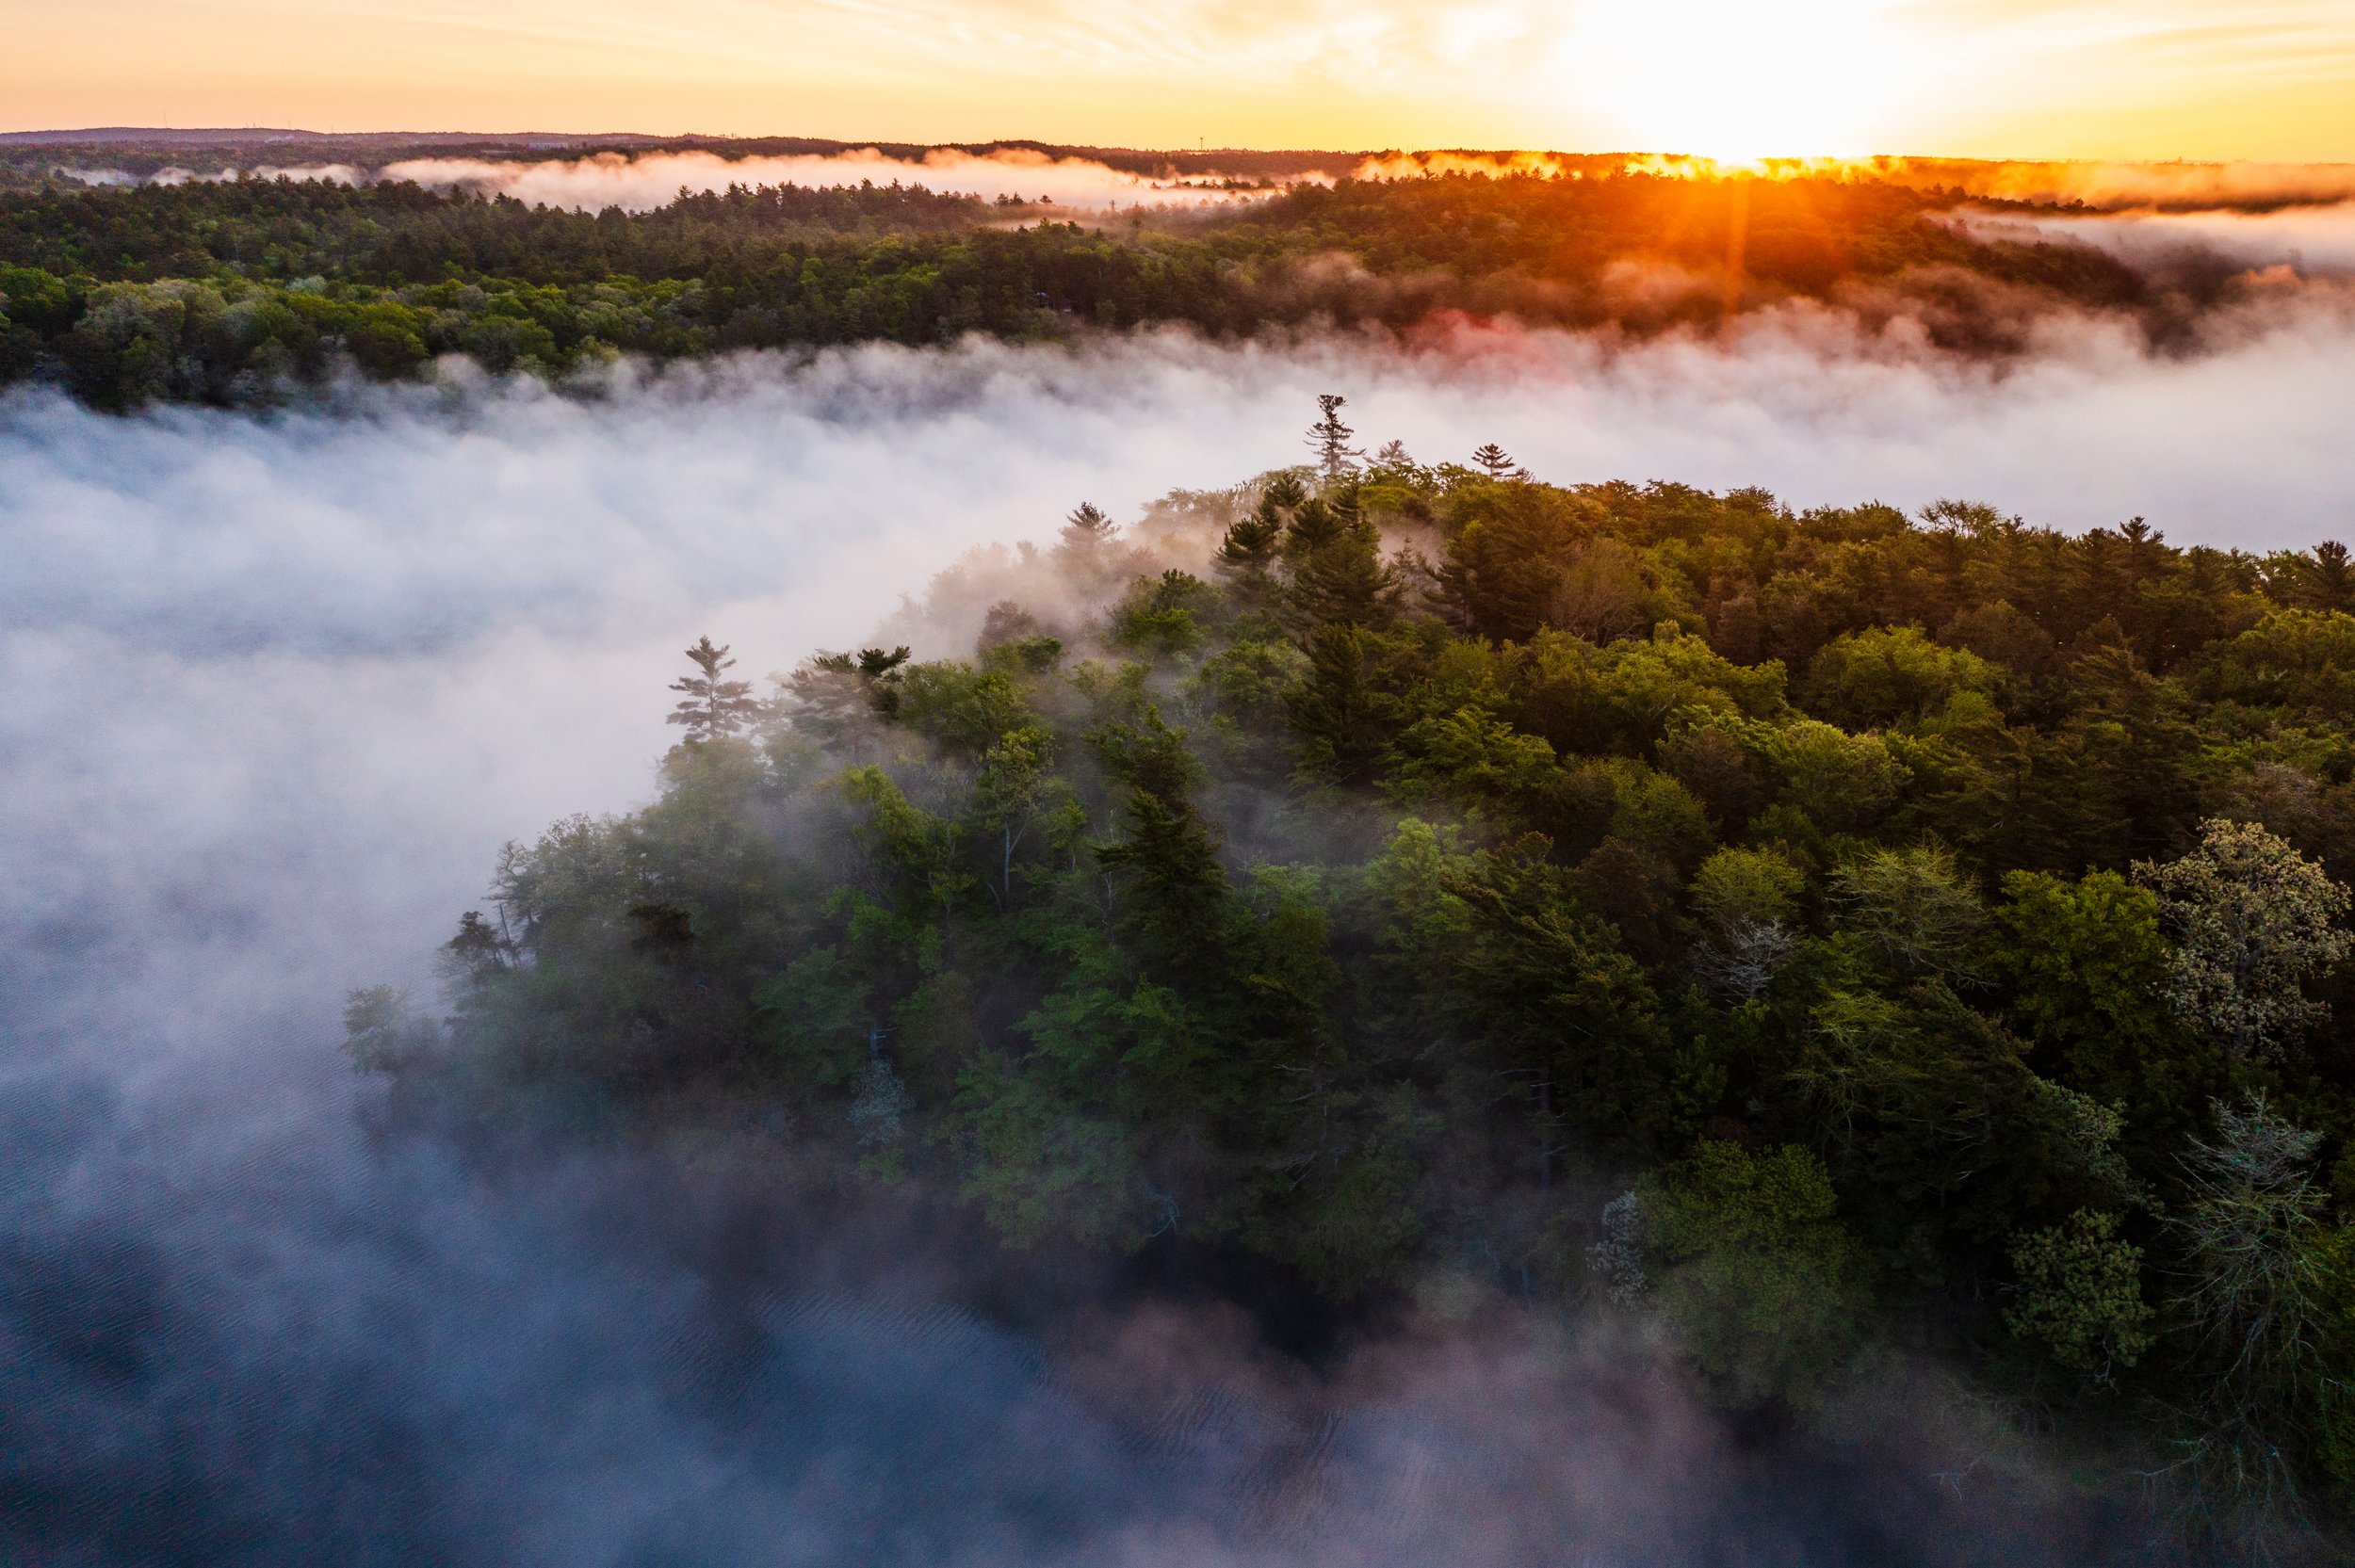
(240, 291)
(1812, 930)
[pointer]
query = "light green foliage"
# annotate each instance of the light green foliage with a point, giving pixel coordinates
(1747, 903)
(1837, 781)
(2088, 973)
(1890, 675)
(964, 710)
(1248, 681)
(1653, 811)
(916, 849)
(580, 868)
(2080, 1295)
(1159, 616)
(34, 300)
(1243, 693)
(1736, 887)
(1912, 908)
(1015, 788)
(2299, 659)
(2252, 919)
(2084, 958)
(1674, 675)
(1470, 758)
(1630, 694)
(1767, 1288)
(1408, 884)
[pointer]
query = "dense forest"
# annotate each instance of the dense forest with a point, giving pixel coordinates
(242, 291)
(1820, 935)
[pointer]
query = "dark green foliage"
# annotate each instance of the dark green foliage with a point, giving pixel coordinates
(230, 291)
(1385, 922)
(1160, 616)
(1768, 1289)
(2081, 1296)
(1551, 999)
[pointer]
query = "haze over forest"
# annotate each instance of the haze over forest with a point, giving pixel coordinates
(784, 850)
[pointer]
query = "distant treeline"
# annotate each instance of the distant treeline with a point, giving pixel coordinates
(1814, 932)
(132, 151)
(234, 291)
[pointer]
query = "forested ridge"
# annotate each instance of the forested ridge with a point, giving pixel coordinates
(240, 291)
(1819, 932)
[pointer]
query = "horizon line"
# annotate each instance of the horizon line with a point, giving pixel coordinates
(651, 141)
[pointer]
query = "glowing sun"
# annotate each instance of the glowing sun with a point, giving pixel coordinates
(1737, 81)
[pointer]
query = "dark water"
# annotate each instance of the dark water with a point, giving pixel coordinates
(258, 1317)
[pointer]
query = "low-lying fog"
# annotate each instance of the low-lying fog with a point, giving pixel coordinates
(272, 692)
(2310, 241)
(651, 180)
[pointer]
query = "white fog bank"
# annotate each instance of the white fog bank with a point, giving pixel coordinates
(277, 689)
(2315, 241)
(646, 180)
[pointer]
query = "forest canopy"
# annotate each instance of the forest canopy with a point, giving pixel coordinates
(243, 290)
(1809, 931)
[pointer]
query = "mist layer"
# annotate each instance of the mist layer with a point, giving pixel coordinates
(277, 692)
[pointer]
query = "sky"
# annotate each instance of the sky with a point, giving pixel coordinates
(2202, 80)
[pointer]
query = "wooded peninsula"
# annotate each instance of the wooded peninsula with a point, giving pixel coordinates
(1812, 932)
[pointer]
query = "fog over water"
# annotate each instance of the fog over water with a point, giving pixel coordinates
(272, 693)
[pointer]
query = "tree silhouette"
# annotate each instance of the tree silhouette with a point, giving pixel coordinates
(712, 706)
(1331, 438)
(1088, 527)
(2329, 581)
(1493, 457)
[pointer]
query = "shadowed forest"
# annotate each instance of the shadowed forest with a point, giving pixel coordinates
(1815, 938)
(240, 291)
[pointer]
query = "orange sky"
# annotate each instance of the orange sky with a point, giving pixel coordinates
(2097, 78)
